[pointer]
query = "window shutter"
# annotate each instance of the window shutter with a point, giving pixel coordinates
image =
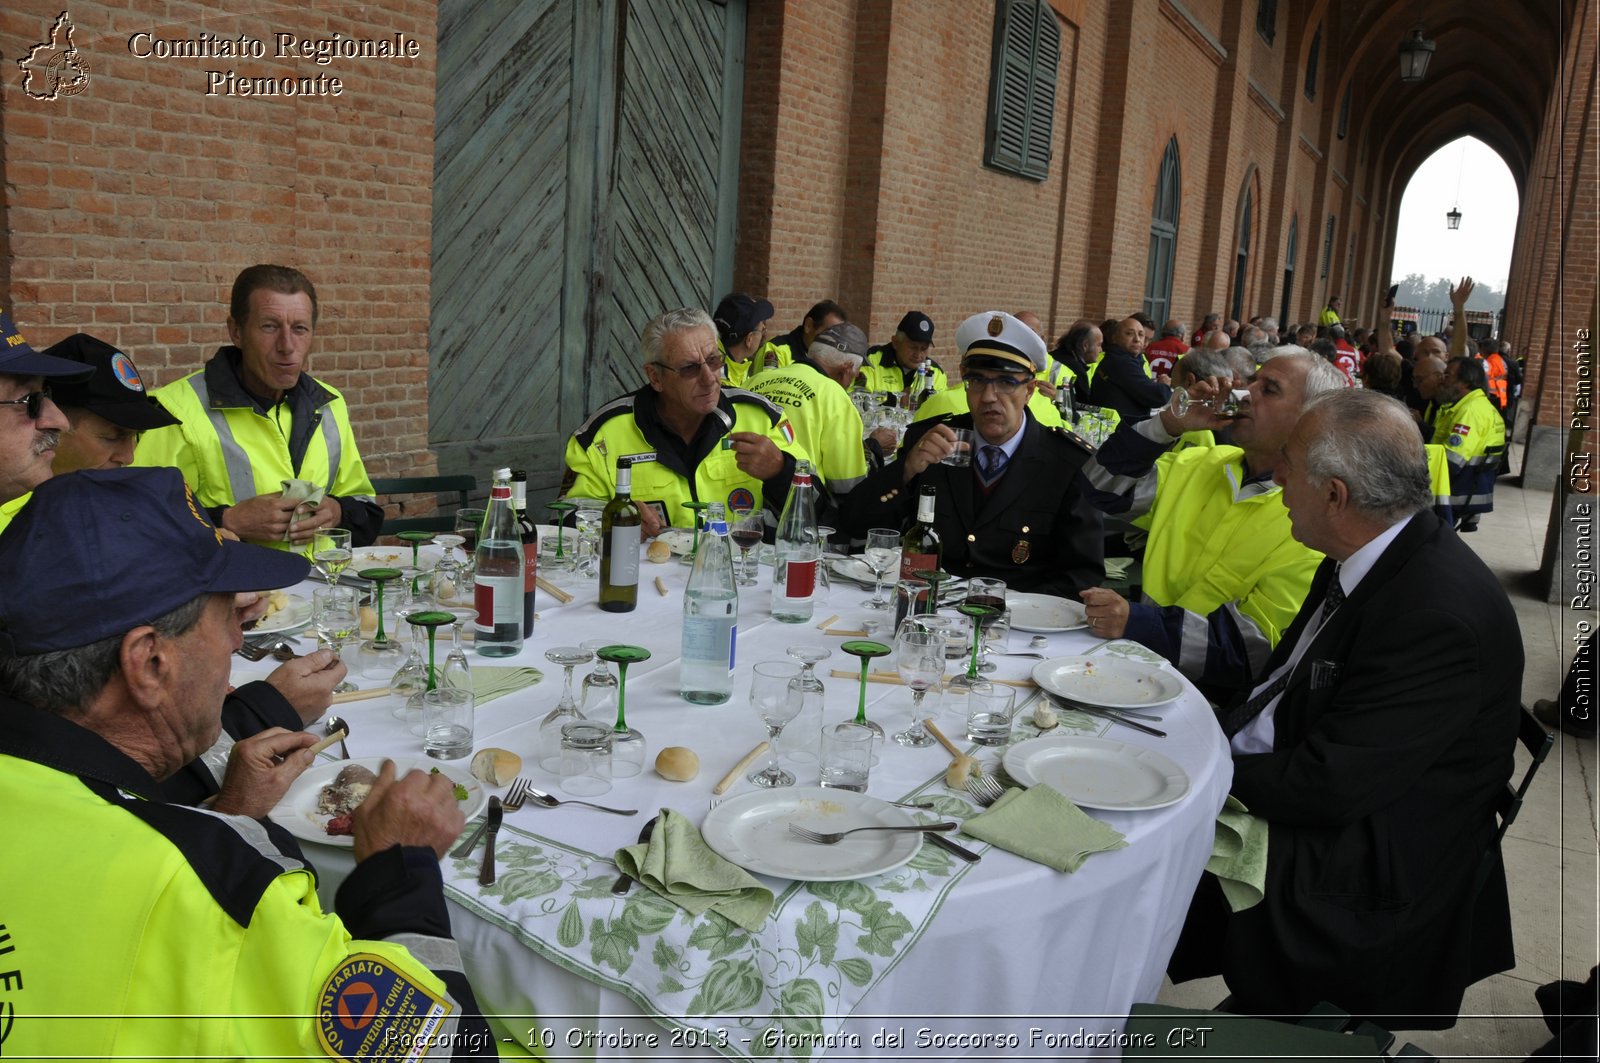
(1022, 89)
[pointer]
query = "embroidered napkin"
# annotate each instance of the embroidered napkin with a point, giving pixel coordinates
(678, 864)
(492, 681)
(1239, 855)
(1043, 826)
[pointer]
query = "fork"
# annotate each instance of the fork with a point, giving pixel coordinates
(514, 799)
(985, 789)
(539, 797)
(805, 834)
(254, 651)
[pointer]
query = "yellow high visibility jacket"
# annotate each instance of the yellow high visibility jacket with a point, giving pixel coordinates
(9, 509)
(827, 424)
(953, 401)
(1468, 427)
(768, 356)
(881, 374)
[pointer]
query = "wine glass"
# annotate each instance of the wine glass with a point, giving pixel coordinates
(627, 743)
(337, 618)
(825, 536)
(746, 535)
(882, 555)
(429, 620)
(980, 614)
(776, 696)
(991, 593)
(799, 742)
(457, 671)
(566, 710)
(331, 553)
(382, 654)
(919, 657)
(468, 523)
(866, 650)
(996, 639)
(416, 539)
(563, 560)
(588, 523)
(599, 686)
(697, 511)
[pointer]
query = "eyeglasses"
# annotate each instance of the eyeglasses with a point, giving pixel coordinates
(691, 370)
(1005, 385)
(31, 403)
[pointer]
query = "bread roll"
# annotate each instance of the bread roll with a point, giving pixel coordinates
(659, 552)
(495, 766)
(677, 763)
(960, 769)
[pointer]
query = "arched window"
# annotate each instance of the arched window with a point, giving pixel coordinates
(1241, 269)
(1163, 236)
(1288, 270)
(1312, 59)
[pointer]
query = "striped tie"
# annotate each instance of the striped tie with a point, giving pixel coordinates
(991, 463)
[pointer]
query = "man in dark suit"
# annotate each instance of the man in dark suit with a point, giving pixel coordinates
(1016, 513)
(1374, 748)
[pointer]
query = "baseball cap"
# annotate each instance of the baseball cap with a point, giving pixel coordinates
(843, 337)
(996, 336)
(739, 314)
(917, 327)
(97, 553)
(19, 359)
(114, 389)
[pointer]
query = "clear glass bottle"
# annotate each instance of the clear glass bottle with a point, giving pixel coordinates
(794, 569)
(710, 617)
(498, 575)
(620, 530)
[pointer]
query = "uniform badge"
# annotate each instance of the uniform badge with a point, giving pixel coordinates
(741, 498)
(122, 368)
(997, 325)
(1021, 552)
(368, 1009)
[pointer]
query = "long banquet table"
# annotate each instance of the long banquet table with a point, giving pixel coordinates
(937, 959)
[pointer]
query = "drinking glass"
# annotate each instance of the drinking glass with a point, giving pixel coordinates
(447, 719)
(882, 556)
(845, 761)
(911, 598)
(776, 696)
(627, 743)
(919, 658)
(337, 617)
(457, 671)
(566, 710)
(331, 553)
(990, 710)
(599, 686)
(799, 741)
(468, 523)
(746, 533)
(448, 544)
(961, 457)
(589, 521)
(866, 650)
(584, 758)
(381, 654)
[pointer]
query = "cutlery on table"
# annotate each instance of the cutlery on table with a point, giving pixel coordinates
(624, 881)
(806, 834)
(539, 797)
(513, 800)
(1114, 715)
(985, 789)
(938, 839)
(486, 873)
(336, 725)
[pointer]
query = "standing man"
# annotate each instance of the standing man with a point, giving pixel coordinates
(1017, 512)
(1375, 747)
(254, 419)
(892, 367)
(1330, 313)
(1473, 435)
(31, 424)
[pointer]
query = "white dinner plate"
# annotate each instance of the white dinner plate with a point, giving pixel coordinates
(296, 616)
(392, 557)
(678, 540)
(1098, 772)
(1044, 613)
(853, 568)
(752, 830)
(297, 812)
(1109, 682)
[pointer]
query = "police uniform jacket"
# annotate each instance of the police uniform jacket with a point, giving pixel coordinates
(1034, 529)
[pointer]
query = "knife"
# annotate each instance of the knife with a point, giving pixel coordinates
(953, 849)
(486, 873)
(624, 881)
(1105, 714)
(466, 847)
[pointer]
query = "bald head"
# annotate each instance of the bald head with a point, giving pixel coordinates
(1431, 346)
(1427, 375)
(1216, 340)
(1029, 318)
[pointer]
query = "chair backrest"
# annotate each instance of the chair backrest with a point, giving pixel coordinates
(1508, 802)
(462, 487)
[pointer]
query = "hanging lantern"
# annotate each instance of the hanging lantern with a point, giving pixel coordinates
(1415, 52)
(1452, 218)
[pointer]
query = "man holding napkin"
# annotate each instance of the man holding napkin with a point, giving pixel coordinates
(1374, 748)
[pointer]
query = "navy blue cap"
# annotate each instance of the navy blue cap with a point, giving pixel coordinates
(97, 553)
(917, 327)
(738, 315)
(19, 359)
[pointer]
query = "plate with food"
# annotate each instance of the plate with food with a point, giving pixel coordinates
(1109, 682)
(752, 830)
(398, 556)
(318, 805)
(855, 570)
(286, 613)
(1098, 772)
(1044, 614)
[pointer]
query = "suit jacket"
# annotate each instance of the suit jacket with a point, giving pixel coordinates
(1035, 530)
(1391, 743)
(1120, 383)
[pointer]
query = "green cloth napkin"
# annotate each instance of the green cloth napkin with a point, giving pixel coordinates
(1043, 826)
(678, 864)
(492, 681)
(1239, 855)
(1117, 567)
(302, 493)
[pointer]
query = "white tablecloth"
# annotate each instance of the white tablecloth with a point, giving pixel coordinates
(1016, 960)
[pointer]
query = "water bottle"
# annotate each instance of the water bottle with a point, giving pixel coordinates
(794, 569)
(710, 617)
(497, 580)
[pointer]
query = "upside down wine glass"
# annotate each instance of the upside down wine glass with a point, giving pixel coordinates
(566, 710)
(627, 743)
(882, 555)
(429, 620)
(981, 614)
(865, 650)
(382, 653)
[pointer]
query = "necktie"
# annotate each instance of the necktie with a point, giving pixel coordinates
(991, 462)
(1234, 720)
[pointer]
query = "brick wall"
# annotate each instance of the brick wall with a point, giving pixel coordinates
(130, 207)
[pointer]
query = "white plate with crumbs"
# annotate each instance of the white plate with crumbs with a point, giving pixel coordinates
(752, 830)
(294, 617)
(1109, 682)
(1044, 613)
(1098, 772)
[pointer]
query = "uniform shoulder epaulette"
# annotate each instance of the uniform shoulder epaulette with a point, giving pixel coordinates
(1068, 434)
(753, 398)
(615, 408)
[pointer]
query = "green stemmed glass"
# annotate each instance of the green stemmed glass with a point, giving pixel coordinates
(561, 509)
(981, 615)
(866, 650)
(935, 577)
(416, 539)
(696, 508)
(382, 653)
(627, 743)
(429, 620)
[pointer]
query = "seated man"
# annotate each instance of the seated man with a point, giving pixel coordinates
(826, 423)
(254, 418)
(1222, 575)
(1017, 513)
(1120, 380)
(1473, 434)
(31, 424)
(108, 410)
(686, 437)
(1374, 746)
(1163, 352)
(741, 323)
(891, 368)
(104, 695)
(795, 344)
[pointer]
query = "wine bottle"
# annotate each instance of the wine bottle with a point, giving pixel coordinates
(710, 617)
(620, 530)
(920, 548)
(794, 569)
(530, 548)
(497, 575)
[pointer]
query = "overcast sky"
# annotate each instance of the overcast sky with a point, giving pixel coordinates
(1487, 199)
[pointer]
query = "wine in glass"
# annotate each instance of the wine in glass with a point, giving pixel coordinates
(746, 535)
(882, 556)
(627, 743)
(331, 553)
(992, 594)
(919, 658)
(337, 618)
(776, 696)
(566, 710)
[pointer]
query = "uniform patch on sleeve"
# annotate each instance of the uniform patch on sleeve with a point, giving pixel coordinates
(368, 1009)
(787, 430)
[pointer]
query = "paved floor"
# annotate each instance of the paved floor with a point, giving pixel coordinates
(1550, 851)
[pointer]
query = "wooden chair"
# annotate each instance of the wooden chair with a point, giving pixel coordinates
(462, 487)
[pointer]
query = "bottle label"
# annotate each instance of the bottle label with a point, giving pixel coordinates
(911, 564)
(530, 567)
(625, 556)
(800, 578)
(498, 600)
(925, 509)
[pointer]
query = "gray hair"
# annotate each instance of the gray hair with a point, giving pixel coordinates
(830, 357)
(1368, 440)
(1321, 375)
(65, 681)
(1243, 361)
(1202, 363)
(665, 324)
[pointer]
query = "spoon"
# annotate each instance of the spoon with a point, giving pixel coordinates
(336, 723)
(283, 652)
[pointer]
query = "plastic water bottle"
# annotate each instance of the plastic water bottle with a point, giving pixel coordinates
(794, 569)
(497, 580)
(710, 617)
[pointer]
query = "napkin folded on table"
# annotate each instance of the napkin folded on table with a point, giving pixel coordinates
(678, 864)
(1239, 855)
(1043, 826)
(492, 681)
